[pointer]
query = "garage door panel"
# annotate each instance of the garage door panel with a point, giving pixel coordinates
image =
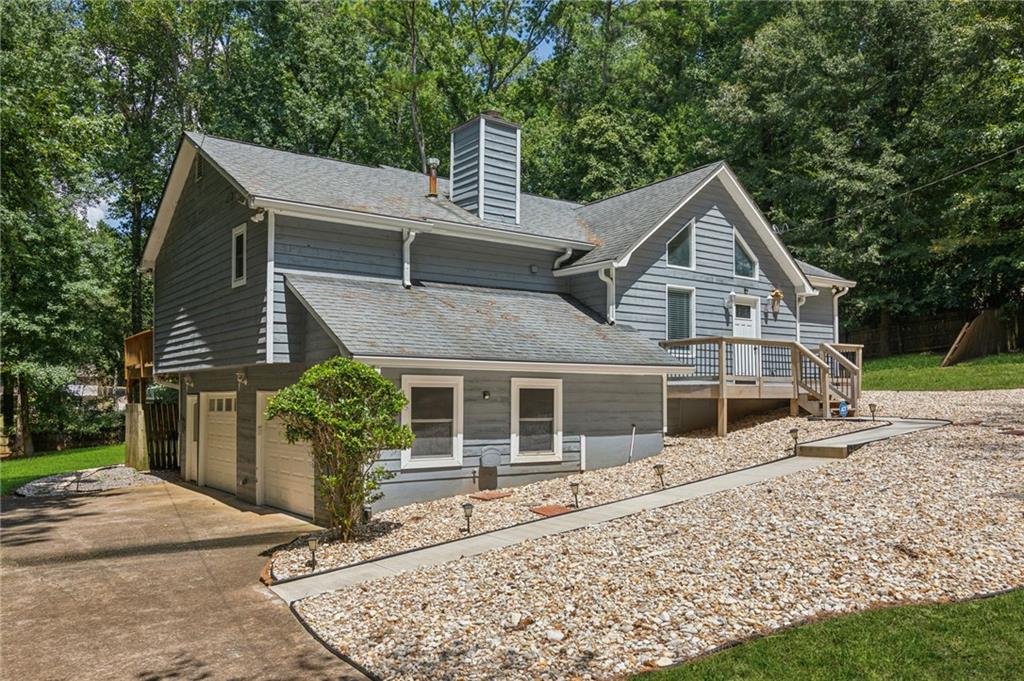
(219, 456)
(287, 471)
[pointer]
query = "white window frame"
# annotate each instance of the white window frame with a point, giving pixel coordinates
(693, 308)
(239, 281)
(410, 381)
(692, 226)
(737, 238)
(555, 454)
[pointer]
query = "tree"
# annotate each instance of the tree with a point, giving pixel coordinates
(347, 412)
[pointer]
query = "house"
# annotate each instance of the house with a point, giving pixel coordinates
(527, 332)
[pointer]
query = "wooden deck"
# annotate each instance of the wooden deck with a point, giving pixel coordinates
(723, 368)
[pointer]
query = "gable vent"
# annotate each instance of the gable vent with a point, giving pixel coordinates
(485, 167)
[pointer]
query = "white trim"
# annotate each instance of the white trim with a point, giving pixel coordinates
(519, 156)
(271, 307)
(590, 267)
(240, 229)
(555, 454)
(826, 282)
(488, 365)
(738, 238)
(180, 172)
(480, 171)
(692, 226)
(693, 308)
(451, 165)
(664, 405)
(192, 416)
(583, 452)
(801, 298)
(410, 381)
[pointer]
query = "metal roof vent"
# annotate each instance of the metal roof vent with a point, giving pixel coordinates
(485, 167)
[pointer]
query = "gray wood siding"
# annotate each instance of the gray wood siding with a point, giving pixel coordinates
(816, 319)
(199, 320)
(466, 167)
(314, 246)
(481, 263)
(298, 336)
(641, 286)
(591, 291)
(500, 172)
(604, 408)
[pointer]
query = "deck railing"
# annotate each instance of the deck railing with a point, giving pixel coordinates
(827, 375)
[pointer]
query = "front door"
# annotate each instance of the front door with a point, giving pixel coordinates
(745, 314)
(192, 437)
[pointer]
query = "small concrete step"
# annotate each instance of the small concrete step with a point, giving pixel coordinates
(823, 451)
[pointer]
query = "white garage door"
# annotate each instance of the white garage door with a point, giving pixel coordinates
(287, 469)
(217, 466)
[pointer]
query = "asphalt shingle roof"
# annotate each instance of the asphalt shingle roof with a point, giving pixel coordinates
(814, 271)
(620, 221)
(314, 180)
(445, 321)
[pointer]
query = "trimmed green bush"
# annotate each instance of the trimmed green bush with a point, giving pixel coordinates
(348, 414)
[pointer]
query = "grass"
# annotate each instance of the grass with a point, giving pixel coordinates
(978, 639)
(922, 372)
(16, 472)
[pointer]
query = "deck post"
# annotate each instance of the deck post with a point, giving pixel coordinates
(794, 407)
(723, 404)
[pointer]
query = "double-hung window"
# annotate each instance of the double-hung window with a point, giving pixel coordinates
(434, 413)
(744, 262)
(680, 313)
(536, 419)
(238, 256)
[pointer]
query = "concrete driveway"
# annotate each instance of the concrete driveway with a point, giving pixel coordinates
(148, 583)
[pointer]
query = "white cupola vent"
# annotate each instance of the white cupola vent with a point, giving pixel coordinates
(485, 167)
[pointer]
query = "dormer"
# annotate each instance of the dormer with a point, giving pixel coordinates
(485, 156)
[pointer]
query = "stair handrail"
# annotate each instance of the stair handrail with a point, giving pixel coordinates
(855, 371)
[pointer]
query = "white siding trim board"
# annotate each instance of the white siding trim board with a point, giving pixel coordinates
(271, 298)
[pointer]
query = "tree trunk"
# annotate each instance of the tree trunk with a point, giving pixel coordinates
(24, 419)
(414, 94)
(884, 326)
(7, 402)
(136, 277)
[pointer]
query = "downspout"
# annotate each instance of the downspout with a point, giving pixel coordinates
(837, 293)
(562, 258)
(408, 236)
(607, 275)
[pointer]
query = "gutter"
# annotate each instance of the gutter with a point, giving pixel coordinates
(409, 236)
(837, 293)
(607, 275)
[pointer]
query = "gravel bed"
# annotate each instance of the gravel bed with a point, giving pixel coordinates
(931, 516)
(86, 481)
(697, 455)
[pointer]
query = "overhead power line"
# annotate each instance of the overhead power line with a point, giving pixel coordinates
(961, 171)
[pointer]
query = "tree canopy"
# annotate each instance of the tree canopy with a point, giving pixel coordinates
(839, 117)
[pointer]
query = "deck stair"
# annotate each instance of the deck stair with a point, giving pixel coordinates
(724, 367)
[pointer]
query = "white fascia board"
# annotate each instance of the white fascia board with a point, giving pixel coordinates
(826, 282)
(589, 267)
(505, 237)
(488, 365)
(180, 174)
(757, 219)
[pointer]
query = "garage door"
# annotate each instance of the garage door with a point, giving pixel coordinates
(217, 466)
(287, 469)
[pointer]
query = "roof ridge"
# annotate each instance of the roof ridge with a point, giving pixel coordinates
(651, 184)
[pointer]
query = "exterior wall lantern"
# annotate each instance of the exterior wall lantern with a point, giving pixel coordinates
(776, 302)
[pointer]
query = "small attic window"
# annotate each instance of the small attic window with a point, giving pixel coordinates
(238, 256)
(744, 262)
(679, 250)
(200, 168)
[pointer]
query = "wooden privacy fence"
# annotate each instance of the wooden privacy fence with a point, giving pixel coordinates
(161, 435)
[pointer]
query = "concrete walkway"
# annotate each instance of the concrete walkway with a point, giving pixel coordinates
(325, 582)
(840, 446)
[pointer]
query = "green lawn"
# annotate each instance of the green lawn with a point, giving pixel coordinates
(16, 472)
(978, 640)
(922, 372)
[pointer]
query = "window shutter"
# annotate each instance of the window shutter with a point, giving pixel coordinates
(679, 314)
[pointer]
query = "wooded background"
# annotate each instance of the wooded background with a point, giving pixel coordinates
(832, 114)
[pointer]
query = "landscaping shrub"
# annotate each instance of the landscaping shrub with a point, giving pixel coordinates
(348, 414)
